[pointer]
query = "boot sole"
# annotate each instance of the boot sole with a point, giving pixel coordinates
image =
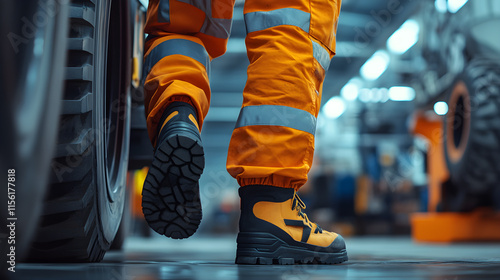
(266, 249)
(170, 196)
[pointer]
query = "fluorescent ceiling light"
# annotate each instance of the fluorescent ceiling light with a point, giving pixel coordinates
(385, 95)
(375, 66)
(401, 93)
(365, 95)
(441, 108)
(351, 90)
(377, 95)
(455, 5)
(404, 38)
(334, 108)
(441, 6)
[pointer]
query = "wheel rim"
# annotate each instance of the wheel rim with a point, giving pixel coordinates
(458, 123)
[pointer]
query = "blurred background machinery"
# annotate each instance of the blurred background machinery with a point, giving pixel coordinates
(410, 123)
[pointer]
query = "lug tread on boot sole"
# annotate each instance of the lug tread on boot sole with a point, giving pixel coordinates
(267, 249)
(170, 196)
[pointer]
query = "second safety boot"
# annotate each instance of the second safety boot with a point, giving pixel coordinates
(274, 230)
(170, 196)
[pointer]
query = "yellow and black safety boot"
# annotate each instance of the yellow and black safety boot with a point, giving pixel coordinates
(170, 196)
(274, 230)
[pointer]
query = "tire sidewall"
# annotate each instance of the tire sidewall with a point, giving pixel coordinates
(34, 150)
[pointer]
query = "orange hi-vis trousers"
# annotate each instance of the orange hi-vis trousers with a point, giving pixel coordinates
(289, 43)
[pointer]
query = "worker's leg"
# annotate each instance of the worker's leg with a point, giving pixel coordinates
(289, 45)
(183, 36)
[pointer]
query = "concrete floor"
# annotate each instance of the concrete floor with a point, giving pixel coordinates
(204, 257)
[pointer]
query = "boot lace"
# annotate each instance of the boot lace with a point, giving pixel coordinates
(299, 205)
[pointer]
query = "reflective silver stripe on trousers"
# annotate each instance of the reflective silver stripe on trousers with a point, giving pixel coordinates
(217, 27)
(257, 21)
(277, 115)
(321, 55)
(164, 11)
(177, 46)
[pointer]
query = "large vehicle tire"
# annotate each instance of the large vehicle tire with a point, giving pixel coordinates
(124, 229)
(472, 138)
(85, 201)
(32, 69)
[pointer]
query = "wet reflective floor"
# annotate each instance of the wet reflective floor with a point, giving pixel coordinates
(213, 258)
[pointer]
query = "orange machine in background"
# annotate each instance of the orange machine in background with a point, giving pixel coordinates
(479, 225)
(137, 178)
(135, 181)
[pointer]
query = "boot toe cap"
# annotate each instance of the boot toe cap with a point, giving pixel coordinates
(338, 244)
